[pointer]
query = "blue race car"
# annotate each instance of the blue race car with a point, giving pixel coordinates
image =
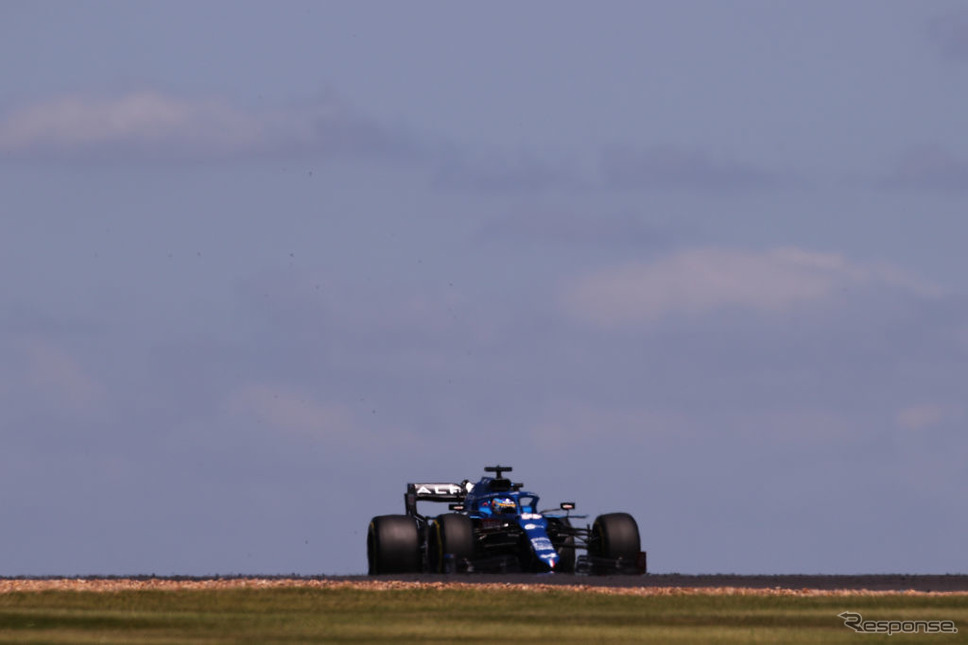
(495, 526)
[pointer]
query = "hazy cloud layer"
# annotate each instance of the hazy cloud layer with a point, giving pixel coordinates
(929, 167)
(59, 378)
(923, 416)
(566, 427)
(300, 415)
(156, 126)
(700, 281)
(497, 173)
(676, 168)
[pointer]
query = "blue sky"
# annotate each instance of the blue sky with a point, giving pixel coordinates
(699, 261)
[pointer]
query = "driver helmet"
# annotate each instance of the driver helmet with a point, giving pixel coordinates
(503, 506)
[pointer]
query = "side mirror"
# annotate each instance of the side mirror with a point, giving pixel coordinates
(568, 506)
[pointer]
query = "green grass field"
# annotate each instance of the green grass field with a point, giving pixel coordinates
(308, 615)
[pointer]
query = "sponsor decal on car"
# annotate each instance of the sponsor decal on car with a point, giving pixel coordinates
(542, 544)
(438, 489)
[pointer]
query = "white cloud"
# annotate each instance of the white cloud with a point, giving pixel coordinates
(59, 377)
(700, 281)
(143, 117)
(926, 415)
(155, 125)
(280, 409)
(291, 412)
(572, 426)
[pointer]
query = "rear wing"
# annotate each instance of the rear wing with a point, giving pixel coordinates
(431, 492)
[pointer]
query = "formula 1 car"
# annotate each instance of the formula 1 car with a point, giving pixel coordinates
(495, 526)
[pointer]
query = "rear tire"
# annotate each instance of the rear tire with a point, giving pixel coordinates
(451, 533)
(393, 545)
(616, 535)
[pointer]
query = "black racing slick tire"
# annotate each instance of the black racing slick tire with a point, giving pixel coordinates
(393, 545)
(615, 535)
(450, 534)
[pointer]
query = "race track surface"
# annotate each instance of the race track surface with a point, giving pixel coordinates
(651, 584)
(890, 582)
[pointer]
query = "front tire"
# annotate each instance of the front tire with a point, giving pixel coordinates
(451, 533)
(393, 545)
(614, 536)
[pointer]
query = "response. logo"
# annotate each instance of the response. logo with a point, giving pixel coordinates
(890, 627)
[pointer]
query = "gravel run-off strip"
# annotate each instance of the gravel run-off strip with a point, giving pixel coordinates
(102, 585)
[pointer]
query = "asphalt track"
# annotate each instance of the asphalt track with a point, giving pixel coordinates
(662, 581)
